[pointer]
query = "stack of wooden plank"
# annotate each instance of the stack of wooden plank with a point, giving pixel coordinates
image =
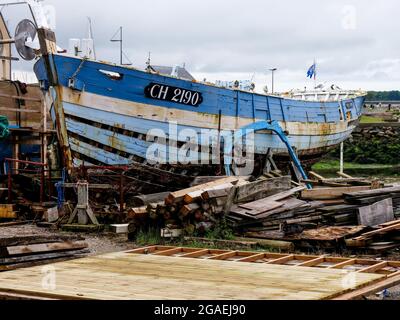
(201, 207)
(25, 251)
(365, 198)
(383, 237)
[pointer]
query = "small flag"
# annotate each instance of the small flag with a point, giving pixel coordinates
(312, 72)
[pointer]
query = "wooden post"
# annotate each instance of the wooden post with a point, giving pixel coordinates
(10, 169)
(121, 193)
(342, 157)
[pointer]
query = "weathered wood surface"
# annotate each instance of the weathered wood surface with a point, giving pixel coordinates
(330, 193)
(376, 214)
(372, 193)
(122, 276)
(41, 248)
(175, 197)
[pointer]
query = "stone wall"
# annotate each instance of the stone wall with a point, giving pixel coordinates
(374, 144)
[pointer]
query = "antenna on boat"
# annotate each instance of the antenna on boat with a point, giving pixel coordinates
(121, 47)
(90, 36)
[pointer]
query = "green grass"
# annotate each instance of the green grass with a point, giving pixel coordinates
(369, 119)
(332, 165)
(149, 237)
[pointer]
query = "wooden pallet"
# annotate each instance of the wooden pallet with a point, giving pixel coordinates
(164, 273)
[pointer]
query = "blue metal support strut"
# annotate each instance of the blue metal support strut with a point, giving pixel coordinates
(259, 126)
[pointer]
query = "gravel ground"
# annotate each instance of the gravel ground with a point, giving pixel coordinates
(98, 243)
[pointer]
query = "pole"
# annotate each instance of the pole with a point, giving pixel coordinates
(273, 79)
(121, 47)
(9, 186)
(342, 157)
(273, 89)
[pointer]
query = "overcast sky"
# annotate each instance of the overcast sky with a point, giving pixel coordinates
(354, 42)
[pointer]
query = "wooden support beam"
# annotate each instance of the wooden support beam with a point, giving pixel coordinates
(146, 250)
(316, 175)
(2, 95)
(374, 268)
(312, 263)
(224, 256)
(169, 252)
(41, 248)
(343, 264)
(371, 289)
(19, 110)
(195, 254)
(282, 260)
(252, 258)
(343, 175)
(178, 196)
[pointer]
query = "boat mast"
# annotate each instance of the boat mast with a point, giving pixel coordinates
(121, 47)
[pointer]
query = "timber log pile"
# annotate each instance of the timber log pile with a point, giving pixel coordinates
(26, 251)
(335, 211)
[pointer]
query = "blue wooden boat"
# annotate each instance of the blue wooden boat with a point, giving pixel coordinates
(104, 112)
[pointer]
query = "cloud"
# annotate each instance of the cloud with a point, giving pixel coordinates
(351, 41)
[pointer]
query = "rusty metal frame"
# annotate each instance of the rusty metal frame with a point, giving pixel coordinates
(10, 169)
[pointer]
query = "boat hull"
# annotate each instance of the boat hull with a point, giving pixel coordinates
(107, 120)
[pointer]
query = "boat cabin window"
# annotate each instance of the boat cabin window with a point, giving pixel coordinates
(112, 75)
(341, 115)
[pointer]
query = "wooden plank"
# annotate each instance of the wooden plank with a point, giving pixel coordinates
(341, 265)
(375, 267)
(41, 248)
(178, 196)
(168, 252)
(262, 205)
(261, 188)
(19, 110)
(330, 193)
(20, 97)
(369, 290)
(196, 254)
(224, 256)
(316, 175)
(370, 234)
(376, 214)
(312, 263)
(344, 175)
(252, 258)
(282, 260)
(373, 192)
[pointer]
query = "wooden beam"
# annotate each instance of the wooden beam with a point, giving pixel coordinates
(47, 247)
(252, 258)
(169, 252)
(178, 196)
(343, 264)
(20, 98)
(342, 174)
(374, 268)
(195, 254)
(19, 110)
(312, 263)
(370, 290)
(282, 260)
(316, 175)
(330, 193)
(224, 256)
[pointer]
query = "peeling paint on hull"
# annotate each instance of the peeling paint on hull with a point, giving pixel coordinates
(107, 120)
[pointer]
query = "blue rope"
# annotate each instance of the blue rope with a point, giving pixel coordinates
(61, 190)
